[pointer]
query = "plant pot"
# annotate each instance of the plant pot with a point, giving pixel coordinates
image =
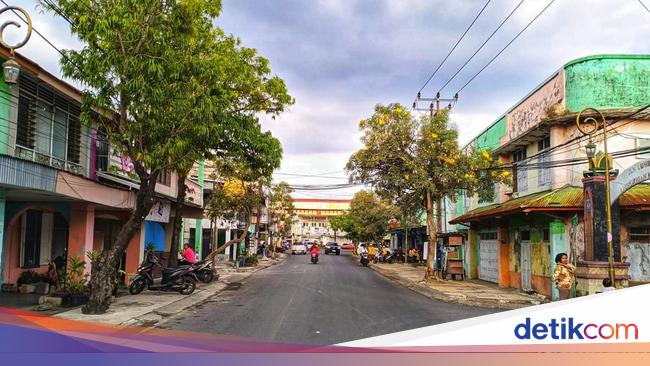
(73, 300)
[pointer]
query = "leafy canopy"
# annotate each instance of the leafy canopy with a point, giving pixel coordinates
(178, 85)
(403, 158)
(367, 219)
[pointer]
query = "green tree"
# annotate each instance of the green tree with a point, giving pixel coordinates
(244, 85)
(282, 209)
(239, 195)
(370, 216)
(146, 68)
(414, 163)
(344, 223)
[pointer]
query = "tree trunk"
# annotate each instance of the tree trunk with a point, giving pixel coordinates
(229, 243)
(104, 270)
(258, 219)
(431, 245)
(178, 220)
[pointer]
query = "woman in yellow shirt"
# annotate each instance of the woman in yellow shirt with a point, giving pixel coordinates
(563, 276)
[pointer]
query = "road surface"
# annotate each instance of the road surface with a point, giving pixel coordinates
(333, 301)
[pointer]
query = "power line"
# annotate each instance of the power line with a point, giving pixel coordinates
(44, 38)
(507, 45)
(309, 176)
(482, 45)
(454, 47)
(644, 6)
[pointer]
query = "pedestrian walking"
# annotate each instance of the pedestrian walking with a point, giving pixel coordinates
(563, 276)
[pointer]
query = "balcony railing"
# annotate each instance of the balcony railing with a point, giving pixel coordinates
(37, 157)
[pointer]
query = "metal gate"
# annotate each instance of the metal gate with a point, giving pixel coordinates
(489, 257)
(526, 276)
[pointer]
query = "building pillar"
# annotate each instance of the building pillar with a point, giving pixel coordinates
(198, 238)
(596, 246)
(81, 230)
(557, 229)
(134, 253)
(504, 256)
(2, 231)
(591, 272)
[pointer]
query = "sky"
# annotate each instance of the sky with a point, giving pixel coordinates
(340, 58)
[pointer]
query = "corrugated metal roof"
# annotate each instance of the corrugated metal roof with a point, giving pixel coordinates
(635, 197)
(567, 198)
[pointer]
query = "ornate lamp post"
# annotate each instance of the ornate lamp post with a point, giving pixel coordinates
(11, 69)
(589, 126)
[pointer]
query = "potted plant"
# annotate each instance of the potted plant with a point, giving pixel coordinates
(73, 283)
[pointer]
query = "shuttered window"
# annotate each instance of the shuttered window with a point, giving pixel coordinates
(48, 126)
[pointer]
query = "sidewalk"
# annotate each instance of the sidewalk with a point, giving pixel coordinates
(468, 292)
(149, 307)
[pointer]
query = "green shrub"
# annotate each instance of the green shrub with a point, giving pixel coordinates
(250, 260)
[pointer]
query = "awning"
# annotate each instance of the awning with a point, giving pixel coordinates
(567, 198)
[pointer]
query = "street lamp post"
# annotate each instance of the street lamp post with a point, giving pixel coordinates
(596, 122)
(10, 68)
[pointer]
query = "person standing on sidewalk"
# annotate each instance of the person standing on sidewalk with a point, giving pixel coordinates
(563, 276)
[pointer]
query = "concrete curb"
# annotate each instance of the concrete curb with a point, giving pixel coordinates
(434, 294)
(152, 318)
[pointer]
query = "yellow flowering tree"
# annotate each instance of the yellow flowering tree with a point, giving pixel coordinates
(414, 163)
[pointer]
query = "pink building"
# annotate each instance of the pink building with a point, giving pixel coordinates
(64, 191)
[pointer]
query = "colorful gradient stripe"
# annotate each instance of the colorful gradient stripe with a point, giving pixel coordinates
(31, 338)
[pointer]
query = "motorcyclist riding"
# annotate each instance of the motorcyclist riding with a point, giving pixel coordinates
(314, 249)
(314, 253)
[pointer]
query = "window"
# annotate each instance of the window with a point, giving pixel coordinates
(31, 239)
(520, 173)
(43, 236)
(48, 126)
(525, 235)
(102, 151)
(644, 145)
(165, 177)
(546, 235)
(488, 236)
(640, 234)
(544, 174)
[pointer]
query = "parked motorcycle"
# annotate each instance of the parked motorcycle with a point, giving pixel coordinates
(364, 259)
(389, 258)
(314, 258)
(204, 271)
(180, 279)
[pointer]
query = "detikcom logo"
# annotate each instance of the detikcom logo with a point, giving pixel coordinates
(568, 328)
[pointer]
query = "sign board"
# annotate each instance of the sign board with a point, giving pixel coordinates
(159, 212)
(193, 192)
(635, 174)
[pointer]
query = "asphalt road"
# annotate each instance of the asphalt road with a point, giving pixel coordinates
(333, 301)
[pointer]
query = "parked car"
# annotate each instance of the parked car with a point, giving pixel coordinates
(332, 248)
(298, 248)
(347, 246)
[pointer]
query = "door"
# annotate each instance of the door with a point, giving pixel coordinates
(489, 257)
(526, 276)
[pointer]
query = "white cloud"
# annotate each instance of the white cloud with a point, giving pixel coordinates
(339, 58)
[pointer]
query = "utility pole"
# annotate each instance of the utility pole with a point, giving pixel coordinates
(433, 109)
(434, 103)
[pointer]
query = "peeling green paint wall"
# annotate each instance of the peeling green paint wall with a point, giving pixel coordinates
(539, 249)
(607, 81)
(490, 139)
(5, 110)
